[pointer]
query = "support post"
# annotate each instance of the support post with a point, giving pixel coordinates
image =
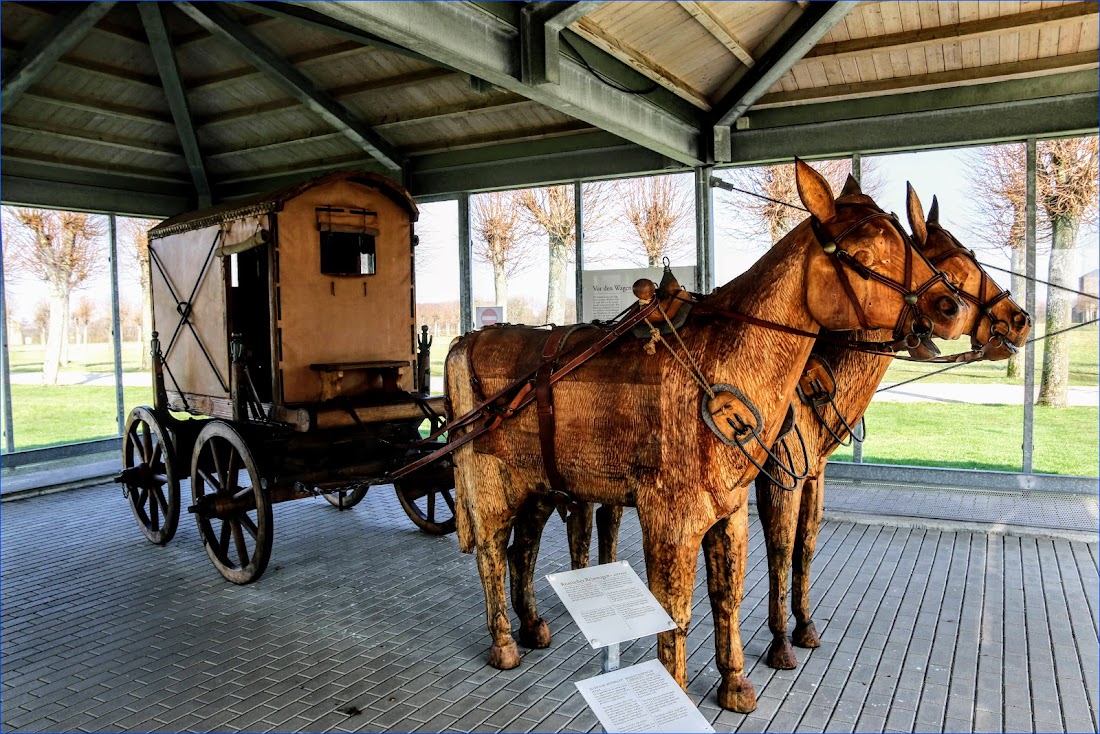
(704, 230)
(857, 168)
(610, 658)
(578, 229)
(465, 265)
(857, 446)
(1029, 348)
(5, 365)
(116, 321)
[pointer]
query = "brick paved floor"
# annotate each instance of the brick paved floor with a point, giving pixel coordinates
(364, 623)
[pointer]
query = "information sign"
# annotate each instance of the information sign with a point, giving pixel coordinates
(610, 603)
(608, 292)
(643, 697)
(487, 316)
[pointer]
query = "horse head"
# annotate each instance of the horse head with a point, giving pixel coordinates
(997, 325)
(866, 272)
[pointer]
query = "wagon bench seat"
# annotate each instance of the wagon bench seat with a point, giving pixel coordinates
(379, 374)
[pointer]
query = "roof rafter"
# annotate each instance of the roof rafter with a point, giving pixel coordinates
(468, 38)
(540, 27)
(1045, 17)
(294, 82)
(817, 19)
(86, 137)
(717, 28)
(60, 36)
(161, 46)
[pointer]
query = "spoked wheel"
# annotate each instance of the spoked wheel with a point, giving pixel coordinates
(149, 475)
(231, 508)
(345, 499)
(430, 507)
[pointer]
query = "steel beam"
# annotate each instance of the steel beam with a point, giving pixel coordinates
(165, 58)
(116, 321)
(465, 265)
(704, 230)
(293, 82)
(817, 19)
(1029, 304)
(540, 27)
(468, 38)
(32, 185)
(578, 239)
(60, 36)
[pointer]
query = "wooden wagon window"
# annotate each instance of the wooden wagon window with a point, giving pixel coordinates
(347, 242)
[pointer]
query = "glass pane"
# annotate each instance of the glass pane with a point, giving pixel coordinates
(509, 270)
(135, 311)
(966, 416)
(58, 294)
(1067, 254)
(437, 281)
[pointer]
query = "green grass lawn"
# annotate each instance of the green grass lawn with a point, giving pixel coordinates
(979, 437)
(96, 357)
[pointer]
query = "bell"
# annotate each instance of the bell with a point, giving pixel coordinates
(669, 285)
(910, 299)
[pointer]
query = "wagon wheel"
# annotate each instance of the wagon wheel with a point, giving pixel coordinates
(149, 475)
(345, 499)
(432, 509)
(231, 508)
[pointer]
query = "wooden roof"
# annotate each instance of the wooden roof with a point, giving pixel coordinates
(96, 97)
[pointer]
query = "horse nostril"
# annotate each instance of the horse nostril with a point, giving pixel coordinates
(949, 307)
(1020, 320)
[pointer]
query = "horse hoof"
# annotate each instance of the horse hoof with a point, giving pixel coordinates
(781, 655)
(504, 658)
(535, 637)
(737, 694)
(805, 635)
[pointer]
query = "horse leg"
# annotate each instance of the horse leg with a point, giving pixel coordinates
(579, 530)
(726, 547)
(670, 559)
(778, 510)
(608, 519)
(809, 525)
(527, 528)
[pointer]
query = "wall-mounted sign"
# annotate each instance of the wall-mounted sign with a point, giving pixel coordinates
(487, 316)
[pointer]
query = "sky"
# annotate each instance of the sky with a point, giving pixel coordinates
(941, 173)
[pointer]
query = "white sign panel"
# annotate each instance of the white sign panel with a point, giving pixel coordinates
(610, 603)
(487, 316)
(643, 697)
(608, 292)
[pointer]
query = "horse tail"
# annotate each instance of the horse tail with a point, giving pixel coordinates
(459, 395)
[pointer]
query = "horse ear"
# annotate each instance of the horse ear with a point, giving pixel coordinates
(851, 186)
(934, 212)
(814, 191)
(916, 215)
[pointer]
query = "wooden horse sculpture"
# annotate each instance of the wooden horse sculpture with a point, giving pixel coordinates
(629, 430)
(791, 519)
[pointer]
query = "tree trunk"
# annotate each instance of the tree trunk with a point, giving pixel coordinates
(555, 296)
(1055, 381)
(1015, 366)
(500, 283)
(654, 261)
(54, 334)
(146, 319)
(64, 357)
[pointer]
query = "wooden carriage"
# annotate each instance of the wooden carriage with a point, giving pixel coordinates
(285, 323)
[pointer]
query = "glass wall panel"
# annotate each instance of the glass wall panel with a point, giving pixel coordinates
(135, 310)
(58, 296)
(437, 305)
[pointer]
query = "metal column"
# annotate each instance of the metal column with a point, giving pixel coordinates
(578, 229)
(465, 266)
(1029, 348)
(116, 321)
(857, 446)
(5, 365)
(857, 168)
(704, 230)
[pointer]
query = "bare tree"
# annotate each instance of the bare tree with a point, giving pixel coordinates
(500, 238)
(62, 250)
(656, 207)
(998, 176)
(551, 211)
(135, 236)
(777, 184)
(1066, 178)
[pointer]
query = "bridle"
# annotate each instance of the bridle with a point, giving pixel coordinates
(919, 325)
(999, 329)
